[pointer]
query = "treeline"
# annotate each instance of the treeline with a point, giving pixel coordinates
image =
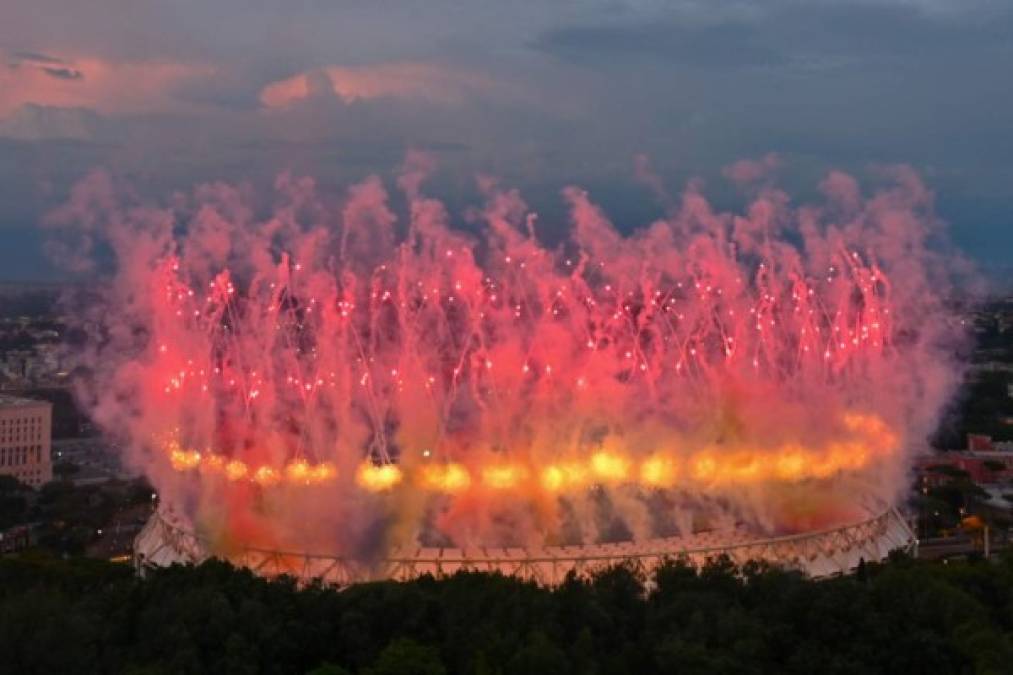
(81, 616)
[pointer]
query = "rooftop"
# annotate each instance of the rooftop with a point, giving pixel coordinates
(8, 401)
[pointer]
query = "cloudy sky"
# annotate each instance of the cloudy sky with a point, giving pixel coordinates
(541, 94)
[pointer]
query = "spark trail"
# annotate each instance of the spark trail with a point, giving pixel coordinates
(348, 381)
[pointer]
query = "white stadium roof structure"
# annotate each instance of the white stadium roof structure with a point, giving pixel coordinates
(168, 539)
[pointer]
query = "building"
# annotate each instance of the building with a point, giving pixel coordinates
(16, 538)
(985, 462)
(26, 428)
(981, 466)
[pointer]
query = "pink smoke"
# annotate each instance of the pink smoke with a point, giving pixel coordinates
(311, 337)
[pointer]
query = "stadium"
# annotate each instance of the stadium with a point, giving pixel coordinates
(167, 540)
(377, 402)
(820, 478)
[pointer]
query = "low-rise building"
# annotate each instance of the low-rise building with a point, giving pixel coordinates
(26, 428)
(981, 466)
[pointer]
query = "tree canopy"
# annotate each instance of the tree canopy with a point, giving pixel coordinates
(77, 615)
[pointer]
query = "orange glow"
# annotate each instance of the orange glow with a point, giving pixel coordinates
(703, 468)
(235, 470)
(321, 473)
(503, 477)
(265, 475)
(298, 471)
(713, 466)
(743, 467)
(610, 467)
(552, 478)
(183, 460)
(378, 478)
(212, 463)
(449, 478)
(565, 476)
(790, 464)
(658, 471)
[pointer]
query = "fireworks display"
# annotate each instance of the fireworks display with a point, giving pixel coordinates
(336, 377)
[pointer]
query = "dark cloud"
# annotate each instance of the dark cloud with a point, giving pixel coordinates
(569, 93)
(63, 73)
(37, 122)
(50, 65)
(38, 58)
(786, 34)
(716, 46)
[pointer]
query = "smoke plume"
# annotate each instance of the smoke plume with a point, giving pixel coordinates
(333, 375)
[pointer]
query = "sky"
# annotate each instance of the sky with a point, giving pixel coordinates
(542, 95)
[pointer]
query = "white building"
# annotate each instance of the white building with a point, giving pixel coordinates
(26, 429)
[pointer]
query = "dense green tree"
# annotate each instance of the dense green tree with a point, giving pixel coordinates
(13, 501)
(538, 657)
(404, 656)
(328, 669)
(77, 615)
